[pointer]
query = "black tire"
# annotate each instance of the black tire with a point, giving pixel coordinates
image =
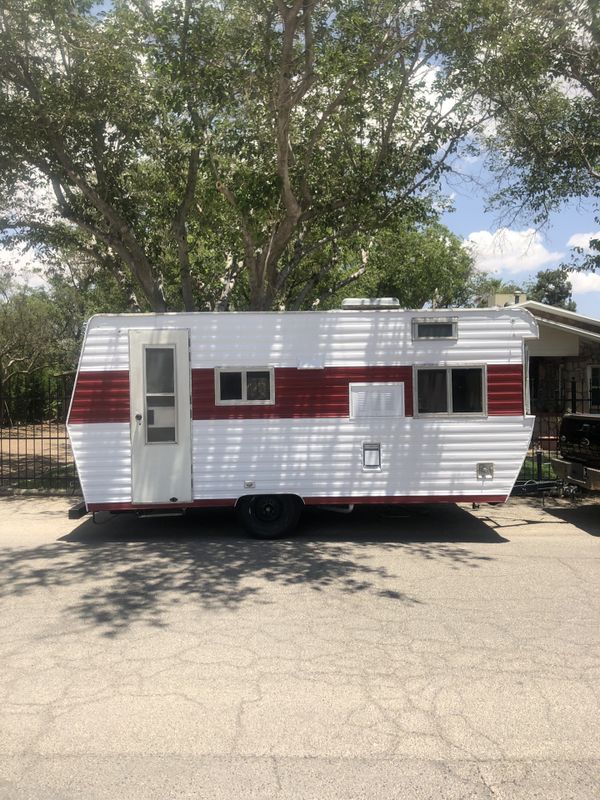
(269, 516)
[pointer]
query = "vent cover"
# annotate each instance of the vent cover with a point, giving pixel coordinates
(376, 400)
(371, 302)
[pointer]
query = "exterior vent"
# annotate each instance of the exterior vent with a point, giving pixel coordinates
(376, 400)
(371, 302)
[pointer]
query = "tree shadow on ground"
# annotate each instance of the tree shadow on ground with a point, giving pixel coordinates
(137, 570)
(584, 517)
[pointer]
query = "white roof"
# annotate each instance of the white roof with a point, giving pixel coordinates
(568, 321)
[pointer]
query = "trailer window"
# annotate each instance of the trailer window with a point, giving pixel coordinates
(244, 386)
(161, 415)
(435, 328)
(450, 390)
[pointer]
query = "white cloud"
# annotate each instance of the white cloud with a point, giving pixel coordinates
(584, 282)
(510, 251)
(582, 240)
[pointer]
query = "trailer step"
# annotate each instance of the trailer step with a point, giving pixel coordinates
(149, 514)
(78, 511)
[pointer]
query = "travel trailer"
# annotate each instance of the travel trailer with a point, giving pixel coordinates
(270, 412)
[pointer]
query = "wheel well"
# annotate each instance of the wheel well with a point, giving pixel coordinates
(277, 494)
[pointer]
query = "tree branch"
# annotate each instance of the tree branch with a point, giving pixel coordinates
(180, 230)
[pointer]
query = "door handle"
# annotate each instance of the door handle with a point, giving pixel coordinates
(138, 419)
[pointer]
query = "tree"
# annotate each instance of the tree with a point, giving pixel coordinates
(552, 286)
(483, 285)
(31, 334)
(211, 153)
(418, 264)
(41, 329)
(544, 87)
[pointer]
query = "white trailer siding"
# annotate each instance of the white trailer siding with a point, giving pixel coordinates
(102, 454)
(323, 458)
(337, 338)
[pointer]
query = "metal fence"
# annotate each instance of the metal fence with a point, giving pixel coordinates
(34, 448)
(570, 396)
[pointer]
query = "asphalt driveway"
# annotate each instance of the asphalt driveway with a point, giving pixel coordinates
(433, 652)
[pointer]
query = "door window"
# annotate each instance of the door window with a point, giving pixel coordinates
(161, 415)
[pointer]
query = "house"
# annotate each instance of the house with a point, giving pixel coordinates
(564, 366)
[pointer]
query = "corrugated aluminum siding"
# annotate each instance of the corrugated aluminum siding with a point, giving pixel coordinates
(298, 393)
(314, 457)
(103, 458)
(100, 396)
(340, 338)
(505, 389)
(323, 458)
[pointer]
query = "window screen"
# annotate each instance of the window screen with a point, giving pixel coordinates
(258, 385)
(243, 386)
(467, 391)
(435, 328)
(450, 390)
(231, 385)
(432, 391)
(595, 386)
(161, 422)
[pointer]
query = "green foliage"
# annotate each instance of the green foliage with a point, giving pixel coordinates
(544, 93)
(553, 287)
(214, 154)
(482, 285)
(41, 329)
(417, 264)
(34, 335)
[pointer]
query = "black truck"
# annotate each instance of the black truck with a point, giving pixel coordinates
(579, 449)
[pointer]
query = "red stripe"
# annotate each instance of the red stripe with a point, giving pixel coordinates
(505, 390)
(299, 393)
(310, 501)
(104, 396)
(100, 397)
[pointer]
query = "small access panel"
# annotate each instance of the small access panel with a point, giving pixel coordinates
(161, 428)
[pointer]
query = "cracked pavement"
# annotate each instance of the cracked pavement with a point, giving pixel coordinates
(415, 652)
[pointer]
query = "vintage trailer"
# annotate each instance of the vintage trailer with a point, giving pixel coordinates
(270, 411)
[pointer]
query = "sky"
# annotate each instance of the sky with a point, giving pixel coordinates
(514, 249)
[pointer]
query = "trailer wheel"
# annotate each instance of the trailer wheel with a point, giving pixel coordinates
(268, 516)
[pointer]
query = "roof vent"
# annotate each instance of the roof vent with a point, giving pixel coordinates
(371, 302)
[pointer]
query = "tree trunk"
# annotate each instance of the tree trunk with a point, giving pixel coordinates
(261, 294)
(150, 287)
(187, 293)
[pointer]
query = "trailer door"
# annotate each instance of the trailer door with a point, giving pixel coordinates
(161, 459)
